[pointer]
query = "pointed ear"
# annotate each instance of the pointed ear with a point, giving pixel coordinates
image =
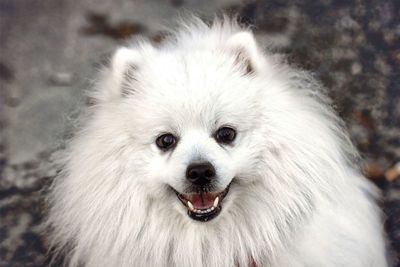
(124, 65)
(121, 78)
(244, 47)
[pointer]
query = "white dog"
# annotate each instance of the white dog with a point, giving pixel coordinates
(207, 151)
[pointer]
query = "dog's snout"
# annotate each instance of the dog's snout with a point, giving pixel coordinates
(200, 173)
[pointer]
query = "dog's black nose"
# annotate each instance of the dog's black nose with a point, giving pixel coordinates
(200, 173)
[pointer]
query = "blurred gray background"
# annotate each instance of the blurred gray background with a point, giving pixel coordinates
(50, 51)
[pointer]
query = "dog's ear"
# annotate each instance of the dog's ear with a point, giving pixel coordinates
(121, 78)
(244, 47)
(124, 65)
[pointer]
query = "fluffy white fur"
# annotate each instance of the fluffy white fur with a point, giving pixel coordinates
(297, 198)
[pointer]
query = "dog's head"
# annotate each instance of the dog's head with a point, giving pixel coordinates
(206, 116)
(193, 116)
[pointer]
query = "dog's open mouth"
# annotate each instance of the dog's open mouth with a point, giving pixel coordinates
(203, 206)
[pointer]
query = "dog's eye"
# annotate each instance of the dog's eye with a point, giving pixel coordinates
(225, 135)
(166, 141)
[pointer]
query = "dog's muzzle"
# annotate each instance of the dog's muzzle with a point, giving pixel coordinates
(202, 202)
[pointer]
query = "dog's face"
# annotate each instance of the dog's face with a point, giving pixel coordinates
(197, 154)
(194, 120)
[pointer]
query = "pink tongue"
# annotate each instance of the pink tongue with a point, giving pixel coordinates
(202, 201)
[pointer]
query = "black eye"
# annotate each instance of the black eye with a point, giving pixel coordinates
(166, 141)
(225, 135)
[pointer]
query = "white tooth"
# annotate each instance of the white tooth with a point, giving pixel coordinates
(212, 208)
(208, 210)
(190, 205)
(216, 202)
